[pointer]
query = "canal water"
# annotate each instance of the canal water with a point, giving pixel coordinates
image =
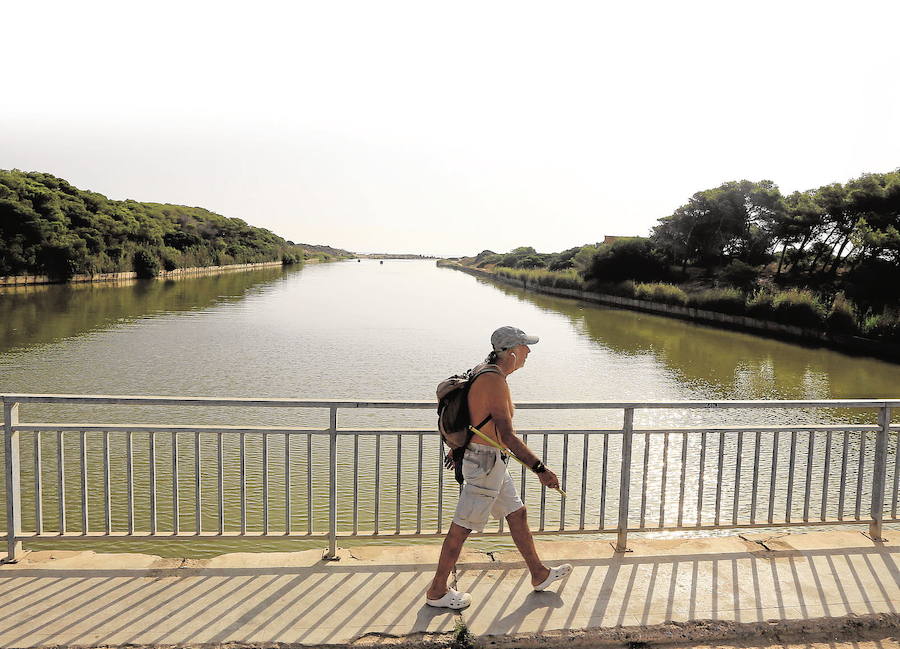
(372, 331)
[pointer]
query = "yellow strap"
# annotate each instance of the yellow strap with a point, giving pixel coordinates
(508, 453)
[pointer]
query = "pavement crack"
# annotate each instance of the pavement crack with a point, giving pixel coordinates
(764, 542)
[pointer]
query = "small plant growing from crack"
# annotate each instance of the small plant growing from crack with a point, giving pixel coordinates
(462, 637)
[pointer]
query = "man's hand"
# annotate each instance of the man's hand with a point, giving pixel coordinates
(549, 479)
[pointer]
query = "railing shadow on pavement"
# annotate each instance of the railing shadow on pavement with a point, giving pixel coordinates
(627, 590)
(330, 602)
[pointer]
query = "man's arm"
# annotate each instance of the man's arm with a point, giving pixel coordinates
(498, 400)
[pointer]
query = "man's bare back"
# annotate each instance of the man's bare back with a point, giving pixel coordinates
(489, 395)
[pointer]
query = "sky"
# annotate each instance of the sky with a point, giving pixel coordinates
(447, 128)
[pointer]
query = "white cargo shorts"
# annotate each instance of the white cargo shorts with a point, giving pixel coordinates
(488, 489)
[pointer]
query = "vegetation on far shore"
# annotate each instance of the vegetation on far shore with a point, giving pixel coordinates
(826, 258)
(49, 227)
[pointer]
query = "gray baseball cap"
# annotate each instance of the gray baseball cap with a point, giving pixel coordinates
(506, 337)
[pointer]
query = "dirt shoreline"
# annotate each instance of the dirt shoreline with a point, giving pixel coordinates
(877, 631)
(672, 635)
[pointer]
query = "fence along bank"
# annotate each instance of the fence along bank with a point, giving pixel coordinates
(29, 280)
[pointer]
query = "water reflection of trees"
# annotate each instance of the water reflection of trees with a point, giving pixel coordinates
(36, 315)
(724, 363)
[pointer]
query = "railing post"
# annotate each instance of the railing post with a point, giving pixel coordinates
(625, 481)
(332, 484)
(878, 474)
(13, 482)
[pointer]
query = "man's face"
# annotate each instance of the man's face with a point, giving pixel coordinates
(521, 352)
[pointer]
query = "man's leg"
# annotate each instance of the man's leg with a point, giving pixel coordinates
(453, 542)
(521, 534)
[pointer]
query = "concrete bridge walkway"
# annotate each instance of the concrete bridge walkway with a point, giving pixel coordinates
(83, 598)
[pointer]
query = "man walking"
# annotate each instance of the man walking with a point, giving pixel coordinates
(488, 487)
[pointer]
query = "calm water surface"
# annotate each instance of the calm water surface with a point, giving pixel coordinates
(363, 331)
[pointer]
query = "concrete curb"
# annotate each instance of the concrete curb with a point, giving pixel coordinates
(32, 280)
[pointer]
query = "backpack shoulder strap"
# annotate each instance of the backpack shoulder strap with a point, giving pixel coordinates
(478, 370)
(484, 368)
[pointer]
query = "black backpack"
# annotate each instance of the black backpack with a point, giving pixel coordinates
(453, 414)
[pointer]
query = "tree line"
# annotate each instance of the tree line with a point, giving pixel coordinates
(49, 227)
(835, 237)
(744, 247)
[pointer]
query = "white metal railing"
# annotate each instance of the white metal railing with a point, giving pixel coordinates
(223, 482)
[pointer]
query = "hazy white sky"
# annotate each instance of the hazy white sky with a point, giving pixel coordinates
(447, 128)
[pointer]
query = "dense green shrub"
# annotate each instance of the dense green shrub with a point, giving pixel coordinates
(620, 289)
(723, 300)
(798, 307)
(170, 257)
(632, 258)
(60, 261)
(740, 275)
(489, 260)
(582, 259)
(531, 261)
(885, 325)
(523, 257)
(658, 292)
(760, 305)
(563, 260)
(842, 317)
(146, 265)
(481, 259)
(874, 283)
(560, 264)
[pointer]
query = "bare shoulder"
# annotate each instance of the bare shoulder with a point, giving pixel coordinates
(491, 385)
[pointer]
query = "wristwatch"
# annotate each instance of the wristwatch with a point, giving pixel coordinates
(538, 467)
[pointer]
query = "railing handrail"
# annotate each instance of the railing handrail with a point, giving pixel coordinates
(33, 427)
(268, 402)
(865, 464)
(146, 400)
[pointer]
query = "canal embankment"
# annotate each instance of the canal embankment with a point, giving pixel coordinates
(765, 588)
(31, 280)
(880, 349)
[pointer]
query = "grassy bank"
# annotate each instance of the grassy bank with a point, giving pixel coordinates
(797, 307)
